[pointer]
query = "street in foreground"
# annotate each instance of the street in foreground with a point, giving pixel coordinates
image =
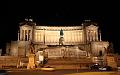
(60, 72)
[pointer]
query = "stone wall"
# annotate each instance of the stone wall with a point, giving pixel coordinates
(12, 61)
(8, 61)
(14, 48)
(23, 48)
(68, 51)
(118, 60)
(96, 47)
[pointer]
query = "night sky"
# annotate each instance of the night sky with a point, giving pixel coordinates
(105, 14)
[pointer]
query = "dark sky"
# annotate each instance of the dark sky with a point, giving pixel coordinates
(105, 14)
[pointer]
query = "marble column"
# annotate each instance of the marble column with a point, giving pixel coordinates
(27, 35)
(82, 37)
(71, 38)
(44, 34)
(93, 35)
(24, 35)
(75, 37)
(87, 36)
(65, 37)
(68, 38)
(50, 39)
(21, 34)
(90, 36)
(18, 36)
(37, 36)
(100, 37)
(31, 35)
(96, 36)
(78, 38)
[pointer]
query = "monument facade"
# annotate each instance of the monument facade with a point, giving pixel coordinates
(59, 41)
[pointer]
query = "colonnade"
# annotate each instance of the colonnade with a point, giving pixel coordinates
(25, 35)
(52, 37)
(92, 35)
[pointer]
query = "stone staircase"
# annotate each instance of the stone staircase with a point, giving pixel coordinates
(69, 63)
(12, 62)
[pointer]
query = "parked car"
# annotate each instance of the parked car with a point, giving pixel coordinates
(3, 72)
(118, 68)
(102, 68)
(105, 68)
(95, 67)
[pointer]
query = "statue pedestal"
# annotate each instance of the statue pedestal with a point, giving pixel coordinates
(111, 61)
(31, 63)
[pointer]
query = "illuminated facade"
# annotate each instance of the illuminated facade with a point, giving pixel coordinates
(60, 41)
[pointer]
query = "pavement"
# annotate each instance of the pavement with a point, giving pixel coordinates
(96, 73)
(60, 72)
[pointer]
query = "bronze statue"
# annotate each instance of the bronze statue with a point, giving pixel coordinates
(61, 41)
(61, 32)
(32, 50)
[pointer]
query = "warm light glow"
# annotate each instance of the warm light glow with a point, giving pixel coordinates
(52, 36)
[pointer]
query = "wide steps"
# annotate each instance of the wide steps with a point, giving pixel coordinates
(68, 61)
